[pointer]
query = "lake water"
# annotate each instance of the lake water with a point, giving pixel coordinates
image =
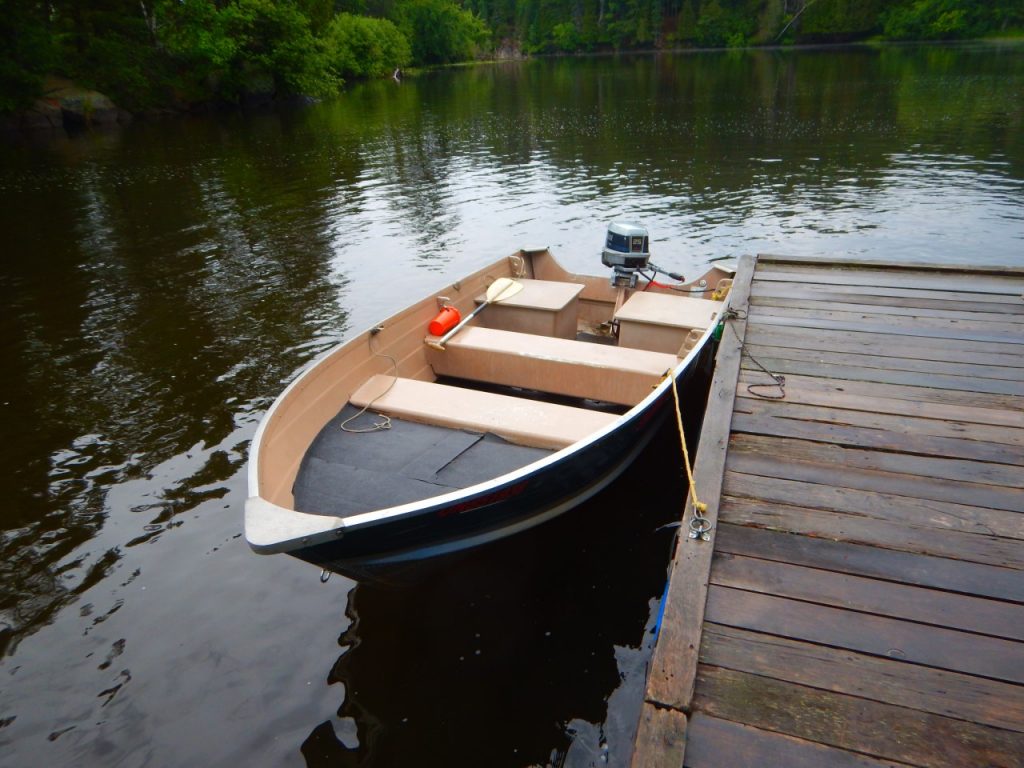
(161, 283)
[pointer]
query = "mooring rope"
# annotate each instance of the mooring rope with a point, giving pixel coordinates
(778, 380)
(700, 526)
(385, 422)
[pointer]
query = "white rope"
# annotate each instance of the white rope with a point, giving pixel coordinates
(385, 422)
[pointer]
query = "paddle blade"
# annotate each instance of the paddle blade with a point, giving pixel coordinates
(503, 288)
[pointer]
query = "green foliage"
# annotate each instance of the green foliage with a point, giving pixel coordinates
(840, 19)
(359, 46)
(724, 27)
(565, 36)
(440, 32)
(273, 39)
(26, 53)
(193, 36)
(107, 45)
(934, 20)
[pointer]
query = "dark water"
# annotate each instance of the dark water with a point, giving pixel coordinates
(160, 284)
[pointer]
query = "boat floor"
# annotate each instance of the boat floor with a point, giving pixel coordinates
(345, 473)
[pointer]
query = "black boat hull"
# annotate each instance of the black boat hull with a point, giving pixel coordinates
(547, 489)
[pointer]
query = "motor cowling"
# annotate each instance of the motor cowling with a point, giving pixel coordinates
(626, 250)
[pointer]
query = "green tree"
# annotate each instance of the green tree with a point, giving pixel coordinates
(359, 46)
(935, 20)
(440, 32)
(565, 36)
(26, 52)
(273, 39)
(721, 25)
(108, 45)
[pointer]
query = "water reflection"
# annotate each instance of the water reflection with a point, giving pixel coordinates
(541, 628)
(143, 305)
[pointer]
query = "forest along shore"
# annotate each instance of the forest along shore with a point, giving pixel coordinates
(69, 65)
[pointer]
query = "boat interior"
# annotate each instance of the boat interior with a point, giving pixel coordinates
(395, 415)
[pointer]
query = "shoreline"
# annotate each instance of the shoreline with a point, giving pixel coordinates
(68, 109)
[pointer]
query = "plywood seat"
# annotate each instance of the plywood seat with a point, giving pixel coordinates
(526, 422)
(559, 366)
(543, 307)
(661, 322)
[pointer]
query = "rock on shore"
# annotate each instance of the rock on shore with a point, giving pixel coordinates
(65, 105)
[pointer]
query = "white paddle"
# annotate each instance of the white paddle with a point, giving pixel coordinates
(500, 289)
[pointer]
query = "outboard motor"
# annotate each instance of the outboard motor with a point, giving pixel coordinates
(626, 251)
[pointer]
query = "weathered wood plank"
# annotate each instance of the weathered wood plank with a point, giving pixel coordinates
(942, 367)
(902, 297)
(660, 739)
(873, 418)
(772, 260)
(882, 598)
(886, 376)
(891, 398)
(912, 324)
(855, 529)
(877, 439)
(827, 473)
(843, 304)
(848, 722)
(890, 681)
(880, 326)
(880, 636)
(827, 370)
(674, 662)
(1004, 286)
(716, 743)
(909, 510)
(861, 560)
(885, 345)
(976, 472)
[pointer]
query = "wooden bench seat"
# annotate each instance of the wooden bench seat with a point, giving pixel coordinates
(662, 323)
(543, 307)
(559, 366)
(518, 420)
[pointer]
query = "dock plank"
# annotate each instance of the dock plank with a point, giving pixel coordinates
(977, 314)
(1011, 287)
(716, 743)
(851, 723)
(931, 467)
(864, 560)
(912, 510)
(661, 738)
(847, 436)
(890, 681)
(948, 649)
(944, 367)
(882, 420)
(882, 325)
(888, 296)
(854, 529)
(970, 408)
(830, 370)
(881, 598)
(887, 347)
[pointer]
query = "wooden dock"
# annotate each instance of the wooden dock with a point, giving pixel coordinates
(861, 599)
